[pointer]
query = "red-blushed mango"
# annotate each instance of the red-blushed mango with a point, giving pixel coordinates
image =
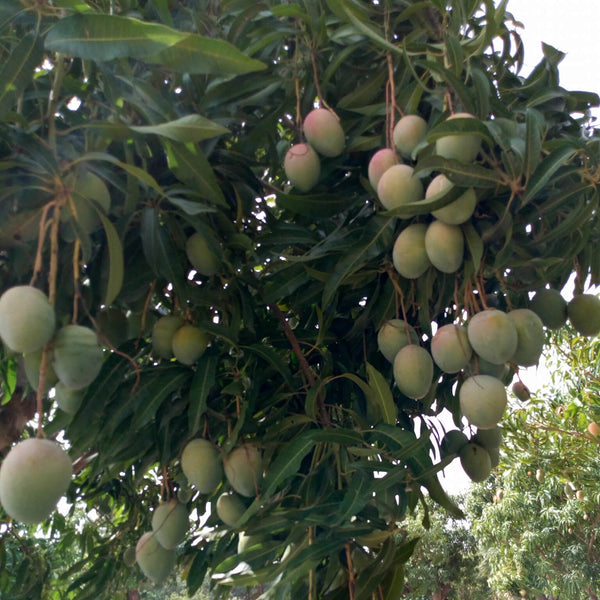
(201, 256)
(584, 313)
(550, 307)
(408, 133)
(243, 469)
(230, 508)
(482, 400)
(170, 523)
(201, 464)
(521, 391)
(462, 147)
(408, 254)
(162, 335)
(450, 348)
(302, 167)
(445, 246)
(398, 186)
(189, 343)
(393, 336)
(324, 133)
(77, 357)
(27, 319)
(530, 334)
(413, 371)
(458, 211)
(68, 400)
(155, 561)
(493, 335)
(34, 475)
(475, 461)
(380, 162)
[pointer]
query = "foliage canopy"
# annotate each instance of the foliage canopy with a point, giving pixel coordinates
(126, 128)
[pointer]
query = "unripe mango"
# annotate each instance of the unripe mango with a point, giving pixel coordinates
(584, 313)
(488, 438)
(77, 357)
(68, 400)
(189, 344)
(243, 469)
(476, 462)
(34, 475)
(201, 464)
(393, 336)
(230, 508)
(445, 246)
(482, 400)
(113, 324)
(90, 194)
(462, 147)
(170, 523)
(550, 307)
(27, 319)
(413, 371)
(408, 133)
(398, 186)
(493, 335)
(155, 561)
(324, 133)
(530, 334)
(129, 556)
(452, 442)
(302, 167)
(521, 391)
(450, 348)
(162, 334)
(201, 255)
(31, 363)
(457, 212)
(408, 254)
(246, 541)
(380, 162)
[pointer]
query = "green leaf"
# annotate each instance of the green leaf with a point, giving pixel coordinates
(103, 37)
(474, 243)
(191, 128)
(116, 267)
(461, 174)
(18, 70)
(191, 166)
(382, 395)
(357, 258)
(546, 169)
(204, 379)
(273, 358)
(313, 205)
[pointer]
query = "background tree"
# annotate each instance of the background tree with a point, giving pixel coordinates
(446, 561)
(128, 129)
(537, 521)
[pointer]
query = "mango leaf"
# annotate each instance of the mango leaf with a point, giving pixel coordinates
(382, 395)
(191, 128)
(546, 169)
(474, 243)
(313, 205)
(106, 37)
(203, 381)
(460, 126)
(462, 174)
(115, 259)
(18, 70)
(191, 166)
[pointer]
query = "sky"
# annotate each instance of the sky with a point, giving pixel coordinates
(572, 28)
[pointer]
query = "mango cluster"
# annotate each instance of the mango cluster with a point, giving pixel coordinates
(208, 470)
(324, 137)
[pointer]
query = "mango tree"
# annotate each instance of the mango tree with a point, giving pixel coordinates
(250, 220)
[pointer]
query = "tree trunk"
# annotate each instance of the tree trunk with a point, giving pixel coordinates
(442, 592)
(133, 595)
(591, 593)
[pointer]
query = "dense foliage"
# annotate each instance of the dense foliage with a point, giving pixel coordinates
(127, 127)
